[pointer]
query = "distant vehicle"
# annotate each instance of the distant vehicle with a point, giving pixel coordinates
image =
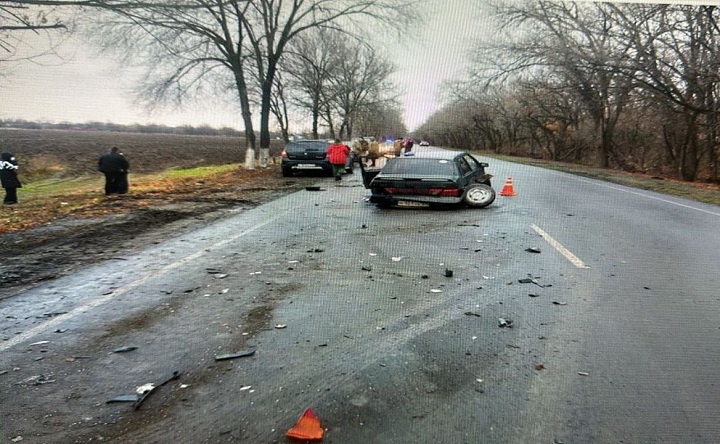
(431, 177)
(307, 155)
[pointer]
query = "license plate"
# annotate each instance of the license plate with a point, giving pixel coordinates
(307, 166)
(409, 203)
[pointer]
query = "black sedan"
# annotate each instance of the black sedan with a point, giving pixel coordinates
(430, 177)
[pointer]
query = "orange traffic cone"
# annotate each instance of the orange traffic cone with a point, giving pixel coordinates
(307, 428)
(508, 188)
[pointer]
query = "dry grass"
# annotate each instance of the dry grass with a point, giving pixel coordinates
(83, 197)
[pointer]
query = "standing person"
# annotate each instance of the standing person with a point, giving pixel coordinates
(408, 144)
(337, 155)
(9, 179)
(115, 167)
(397, 147)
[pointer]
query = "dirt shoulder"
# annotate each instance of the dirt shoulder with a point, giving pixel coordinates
(119, 225)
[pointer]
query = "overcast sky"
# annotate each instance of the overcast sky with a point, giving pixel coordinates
(87, 88)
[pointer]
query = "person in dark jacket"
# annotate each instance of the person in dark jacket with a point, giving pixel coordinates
(8, 178)
(115, 167)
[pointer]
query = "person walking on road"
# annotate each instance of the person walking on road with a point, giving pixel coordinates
(115, 167)
(8, 178)
(337, 155)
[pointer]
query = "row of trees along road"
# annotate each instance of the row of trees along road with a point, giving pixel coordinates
(311, 57)
(631, 86)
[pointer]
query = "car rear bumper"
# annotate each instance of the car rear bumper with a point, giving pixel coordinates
(391, 199)
(306, 165)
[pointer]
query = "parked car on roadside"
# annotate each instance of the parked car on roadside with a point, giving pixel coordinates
(308, 156)
(430, 177)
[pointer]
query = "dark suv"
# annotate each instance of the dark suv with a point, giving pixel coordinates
(305, 155)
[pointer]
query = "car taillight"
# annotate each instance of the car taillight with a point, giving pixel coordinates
(435, 192)
(444, 192)
(283, 154)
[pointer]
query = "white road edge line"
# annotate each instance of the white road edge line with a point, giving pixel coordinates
(118, 291)
(562, 250)
(637, 193)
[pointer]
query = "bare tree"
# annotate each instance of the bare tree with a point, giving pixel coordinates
(240, 36)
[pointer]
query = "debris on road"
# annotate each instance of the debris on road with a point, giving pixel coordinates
(505, 323)
(539, 367)
(307, 428)
(366, 268)
(448, 273)
(61, 330)
(280, 326)
(583, 374)
(533, 250)
(39, 343)
(314, 189)
(38, 380)
(435, 290)
(472, 313)
(533, 295)
(123, 398)
(221, 276)
(125, 349)
(240, 354)
(136, 405)
(144, 388)
(559, 303)
(17, 439)
(532, 281)
(397, 258)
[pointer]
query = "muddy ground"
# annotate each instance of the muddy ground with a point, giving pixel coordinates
(60, 247)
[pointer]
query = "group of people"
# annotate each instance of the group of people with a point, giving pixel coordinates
(113, 165)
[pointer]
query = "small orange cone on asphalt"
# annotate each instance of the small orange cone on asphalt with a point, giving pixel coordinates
(508, 188)
(307, 428)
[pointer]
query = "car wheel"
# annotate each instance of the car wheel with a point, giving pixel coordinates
(286, 172)
(479, 195)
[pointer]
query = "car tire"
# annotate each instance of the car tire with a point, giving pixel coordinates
(479, 195)
(286, 172)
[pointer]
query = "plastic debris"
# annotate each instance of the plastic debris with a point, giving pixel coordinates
(17, 439)
(125, 349)
(505, 323)
(307, 428)
(39, 343)
(397, 258)
(245, 387)
(145, 388)
(313, 189)
(123, 398)
(435, 290)
(559, 303)
(280, 326)
(448, 273)
(583, 374)
(533, 295)
(145, 395)
(240, 354)
(539, 367)
(533, 250)
(472, 313)
(221, 276)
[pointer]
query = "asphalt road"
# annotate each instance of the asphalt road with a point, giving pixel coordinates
(349, 311)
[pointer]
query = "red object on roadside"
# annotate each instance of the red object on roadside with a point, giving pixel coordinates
(307, 428)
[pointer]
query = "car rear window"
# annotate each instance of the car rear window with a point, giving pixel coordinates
(311, 145)
(416, 166)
